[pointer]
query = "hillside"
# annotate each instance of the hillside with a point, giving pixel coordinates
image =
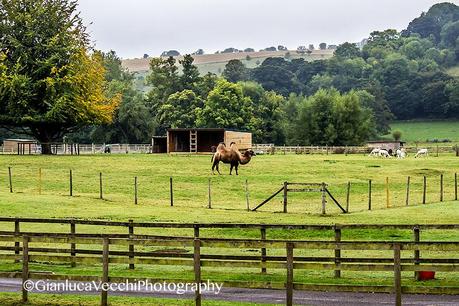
(421, 131)
(215, 63)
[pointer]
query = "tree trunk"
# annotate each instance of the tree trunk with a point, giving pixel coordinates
(46, 149)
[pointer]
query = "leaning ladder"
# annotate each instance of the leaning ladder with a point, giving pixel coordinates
(193, 141)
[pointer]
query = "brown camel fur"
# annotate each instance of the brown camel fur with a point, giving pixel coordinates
(230, 156)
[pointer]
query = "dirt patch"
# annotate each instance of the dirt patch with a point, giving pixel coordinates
(424, 172)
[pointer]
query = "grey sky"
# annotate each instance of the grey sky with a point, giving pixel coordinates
(135, 27)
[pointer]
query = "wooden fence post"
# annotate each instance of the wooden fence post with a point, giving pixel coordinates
(289, 284)
(197, 270)
(101, 195)
(285, 196)
(337, 250)
(171, 191)
(10, 179)
(105, 253)
(424, 190)
(71, 183)
(348, 196)
(73, 245)
(210, 195)
(455, 186)
(416, 238)
(135, 191)
(247, 194)
(387, 193)
(408, 191)
(131, 246)
(39, 181)
(263, 249)
(16, 243)
(25, 267)
(397, 275)
(324, 198)
(441, 187)
(369, 194)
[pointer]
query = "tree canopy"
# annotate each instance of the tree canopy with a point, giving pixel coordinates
(51, 83)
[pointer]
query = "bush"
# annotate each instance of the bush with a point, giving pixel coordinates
(397, 135)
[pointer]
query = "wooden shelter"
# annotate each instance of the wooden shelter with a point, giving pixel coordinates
(20, 146)
(389, 145)
(201, 140)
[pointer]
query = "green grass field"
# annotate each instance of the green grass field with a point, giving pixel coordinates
(421, 131)
(265, 175)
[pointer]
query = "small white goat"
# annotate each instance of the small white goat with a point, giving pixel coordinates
(422, 152)
(374, 152)
(401, 153)
(384, 153)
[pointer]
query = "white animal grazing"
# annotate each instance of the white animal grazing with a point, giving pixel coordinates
(384, 153)
(401, 153)
(374, 152)
(422, 152)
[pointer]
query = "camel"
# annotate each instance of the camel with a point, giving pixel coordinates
(230, 156)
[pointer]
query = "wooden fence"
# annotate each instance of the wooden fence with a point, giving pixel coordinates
(406, 255)
(433, 150)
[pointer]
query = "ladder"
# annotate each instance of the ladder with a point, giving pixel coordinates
(193, 141)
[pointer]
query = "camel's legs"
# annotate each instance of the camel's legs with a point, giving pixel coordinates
(218, 168)
(231, 169)
(236, 166)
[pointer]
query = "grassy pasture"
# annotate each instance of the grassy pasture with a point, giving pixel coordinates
(265, 175)
(421, 131)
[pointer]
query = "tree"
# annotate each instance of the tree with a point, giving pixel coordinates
(132, 122)
(267, 113)
(270, 49)
(249, 50)
(281, 48)
(235, 71)
(397, 135)
(323, 46)
(170, 53)
(198, 52)
(190, 73)
(226, 107)
(330, 118)
(180, 110)
(163, 80)
(347, 50)
(311, 47)
(145, 56)
(50, 84)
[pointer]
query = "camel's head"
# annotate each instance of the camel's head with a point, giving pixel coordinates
(249, 153)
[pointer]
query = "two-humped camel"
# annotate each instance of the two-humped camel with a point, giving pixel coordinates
(230, 156)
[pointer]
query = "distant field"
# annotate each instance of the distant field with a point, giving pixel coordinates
(215, 63)
(421, 131)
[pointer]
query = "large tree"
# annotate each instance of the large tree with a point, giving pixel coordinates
(49, 82)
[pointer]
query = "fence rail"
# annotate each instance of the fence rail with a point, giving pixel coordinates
(77, 149)
(29, 247)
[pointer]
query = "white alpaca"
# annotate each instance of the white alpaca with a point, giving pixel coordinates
(384, 153)
(422, 152)
(374, 152)
(401, 153)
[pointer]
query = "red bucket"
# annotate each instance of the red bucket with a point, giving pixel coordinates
(426, 275)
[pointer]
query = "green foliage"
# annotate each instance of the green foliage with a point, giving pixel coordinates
(235, 71)
(132, 122)
(50, 85)
(226, 107)
(180, 110)
(397, 135)
(347, 50)
(329, 118)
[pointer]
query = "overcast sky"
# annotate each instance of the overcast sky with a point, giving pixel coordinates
(135, 27)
